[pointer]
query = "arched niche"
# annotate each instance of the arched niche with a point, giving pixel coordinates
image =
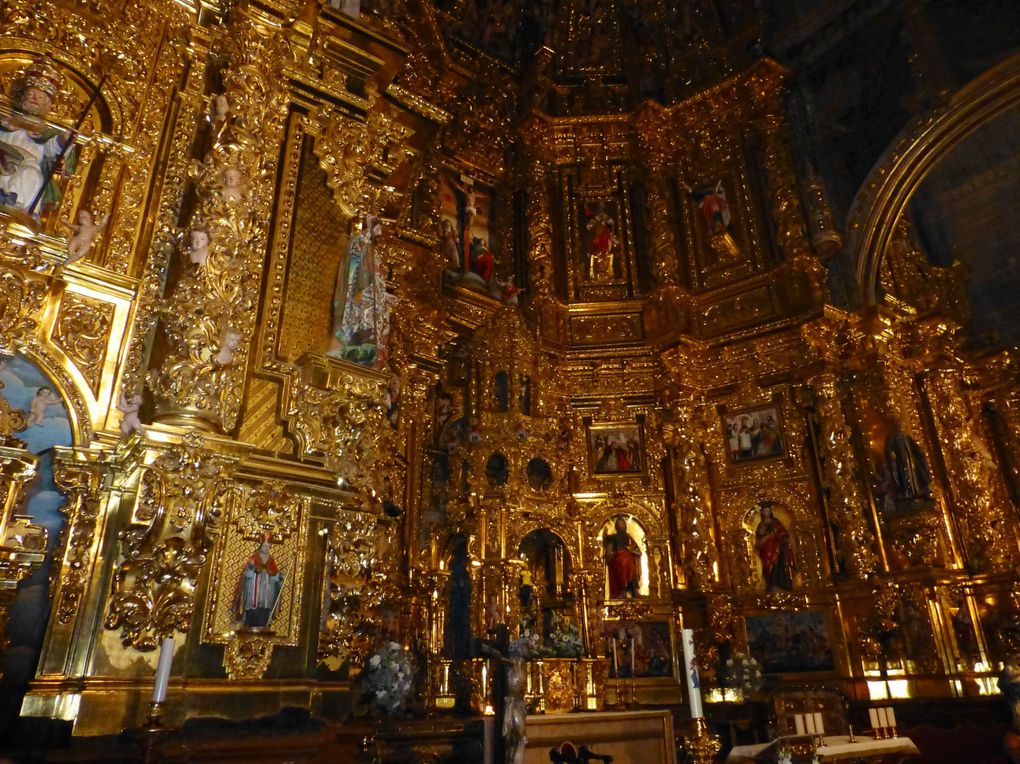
(54, 416)
(539, 474)
(501, 392)
(457, 627)
(497, 469)
(104, 117)
(771, 535)
(547, 564)
(885, 195)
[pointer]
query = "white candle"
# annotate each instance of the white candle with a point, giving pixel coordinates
(883, 719)
(798, 722)
(819, 725)
(691, 671)
(166, 657)
(873, 715)
(633, 650)
(810, 721)
(890, 716)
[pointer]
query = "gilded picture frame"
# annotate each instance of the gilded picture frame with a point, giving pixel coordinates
(753, 434)
(616, 449)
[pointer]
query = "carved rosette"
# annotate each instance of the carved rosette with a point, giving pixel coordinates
(209, 316)
(182, 497)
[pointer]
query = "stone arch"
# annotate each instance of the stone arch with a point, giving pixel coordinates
(919, 147)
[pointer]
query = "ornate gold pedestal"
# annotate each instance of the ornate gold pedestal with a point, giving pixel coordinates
(698, 745)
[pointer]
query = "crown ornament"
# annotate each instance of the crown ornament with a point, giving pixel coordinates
(41, 74)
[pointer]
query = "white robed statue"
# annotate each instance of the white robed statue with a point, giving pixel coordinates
(258, 591)
(29, 145)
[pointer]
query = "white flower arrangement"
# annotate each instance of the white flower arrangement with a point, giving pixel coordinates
(743, 673)
(565, 641)
(387, 678)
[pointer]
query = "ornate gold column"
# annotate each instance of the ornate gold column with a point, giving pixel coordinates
(541, 275)
(974, 478)
(847, 504)
(209, 316)
(697, 555)
(787, 215)
(653, 127)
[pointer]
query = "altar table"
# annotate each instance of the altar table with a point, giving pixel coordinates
(839, 748)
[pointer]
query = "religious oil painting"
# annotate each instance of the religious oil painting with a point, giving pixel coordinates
(787, 643)
(616, 449)
(638, 649)
(465, 235)
(753, 434)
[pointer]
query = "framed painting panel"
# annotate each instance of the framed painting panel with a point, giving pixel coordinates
(753, 434)
(616, 449)
(639, 649)
(790, 643)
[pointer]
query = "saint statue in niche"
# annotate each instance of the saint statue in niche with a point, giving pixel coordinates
(361, 304)
(29, 145)
(772, 542)
(714, 209)
(602, 247)
(907, 468)
(258, 590)
(623, 558)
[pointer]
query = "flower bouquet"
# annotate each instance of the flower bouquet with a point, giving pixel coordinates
(743, 673)
(387, 678)
(565, 641)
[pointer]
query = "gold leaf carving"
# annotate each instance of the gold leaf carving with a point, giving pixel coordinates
(82, 331)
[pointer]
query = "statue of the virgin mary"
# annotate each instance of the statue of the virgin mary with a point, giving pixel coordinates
(361, 304)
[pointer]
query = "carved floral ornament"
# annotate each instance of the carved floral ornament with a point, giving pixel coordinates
(182, 497)
(358, 156)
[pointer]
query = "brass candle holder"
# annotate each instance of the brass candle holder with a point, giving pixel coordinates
(699, 744)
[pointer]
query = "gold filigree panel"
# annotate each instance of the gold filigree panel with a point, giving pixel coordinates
(82, 331)
(606, 329)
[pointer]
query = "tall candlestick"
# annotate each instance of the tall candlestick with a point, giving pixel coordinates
(890, 716)
(819, 724)
(633, 650)
(691, 670)
(798, 723)
(873, 716)
(809, 722)
(616, 658)
(883, 718)
(166, 657)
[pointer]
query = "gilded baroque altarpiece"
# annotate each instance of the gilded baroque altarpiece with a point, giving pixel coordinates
(634, 338)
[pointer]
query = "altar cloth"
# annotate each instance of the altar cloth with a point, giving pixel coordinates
(839, 748)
